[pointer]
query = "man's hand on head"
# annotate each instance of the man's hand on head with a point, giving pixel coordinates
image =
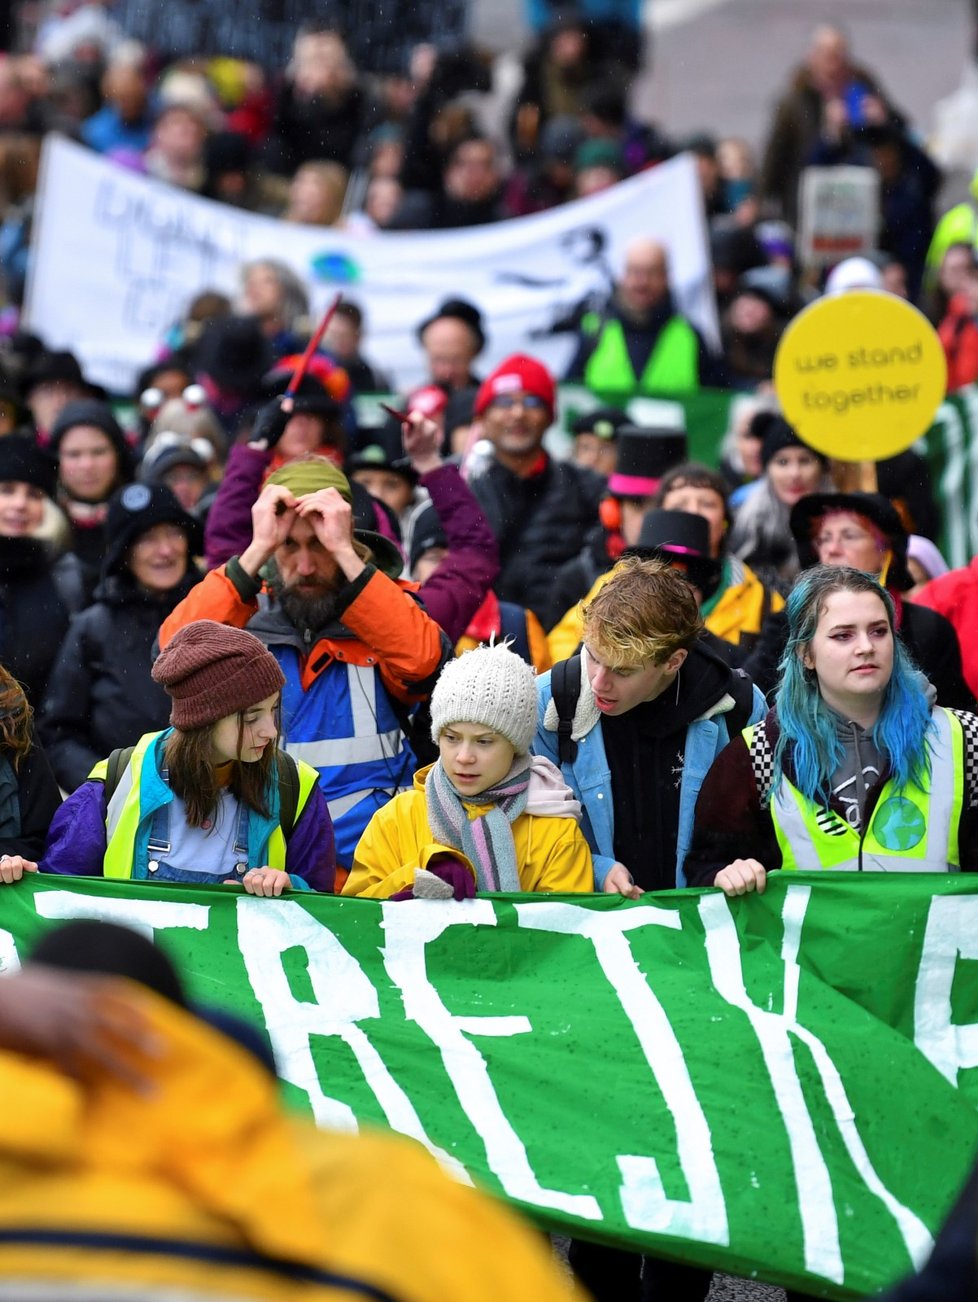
(331, 517)
(272, 516)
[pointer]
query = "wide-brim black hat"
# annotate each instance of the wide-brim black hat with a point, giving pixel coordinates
(876, 508)
(679, 538)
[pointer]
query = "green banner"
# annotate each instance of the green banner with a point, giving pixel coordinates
(782, 1085)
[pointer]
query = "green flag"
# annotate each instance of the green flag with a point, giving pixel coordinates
(780, 1085)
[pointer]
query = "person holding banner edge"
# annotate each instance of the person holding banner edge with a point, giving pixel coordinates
(854, 768)
(211, 800)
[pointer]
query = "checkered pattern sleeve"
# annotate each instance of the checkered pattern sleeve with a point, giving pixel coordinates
(969, 727)
(762, 762)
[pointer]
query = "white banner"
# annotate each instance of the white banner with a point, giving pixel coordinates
(117, 258)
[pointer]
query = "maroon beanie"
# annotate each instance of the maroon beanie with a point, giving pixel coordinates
(211, 671)
(517, 374)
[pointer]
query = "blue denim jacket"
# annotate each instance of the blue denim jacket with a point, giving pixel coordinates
(590, 775)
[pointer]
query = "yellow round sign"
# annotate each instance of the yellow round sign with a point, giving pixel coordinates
(860, 375)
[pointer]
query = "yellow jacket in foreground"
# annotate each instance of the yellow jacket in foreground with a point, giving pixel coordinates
(207, 1189)
(551, 853)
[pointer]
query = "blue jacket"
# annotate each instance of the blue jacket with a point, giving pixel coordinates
(589, 777)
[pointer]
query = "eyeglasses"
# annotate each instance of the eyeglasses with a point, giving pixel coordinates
(528, 401)
(843, 536)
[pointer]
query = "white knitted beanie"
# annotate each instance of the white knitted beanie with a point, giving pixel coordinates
(490, 685)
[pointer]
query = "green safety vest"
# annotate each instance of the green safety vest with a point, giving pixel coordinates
(672, 366)
(123, 814)
(911, 830)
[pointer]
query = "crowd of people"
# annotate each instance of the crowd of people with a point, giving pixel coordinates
(246, 638)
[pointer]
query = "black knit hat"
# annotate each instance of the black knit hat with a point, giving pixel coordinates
(644, 456)
(23, 462)
(776, 435)
(681, 539)
(88, 411)
(428, 532)
(808, 511)
(136, 509)
(459, 309)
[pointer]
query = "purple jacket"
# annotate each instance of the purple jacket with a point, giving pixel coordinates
(458, 587)
(77, 839)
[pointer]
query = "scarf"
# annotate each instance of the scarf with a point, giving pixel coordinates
(487, 840)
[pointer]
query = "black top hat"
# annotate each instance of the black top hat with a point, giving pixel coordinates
(644, 456)
(683, 540)
(874, 507)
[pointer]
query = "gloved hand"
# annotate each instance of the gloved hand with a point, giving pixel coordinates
(455, 873)
(270, 423)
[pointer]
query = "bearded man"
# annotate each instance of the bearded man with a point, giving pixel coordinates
(356, 647)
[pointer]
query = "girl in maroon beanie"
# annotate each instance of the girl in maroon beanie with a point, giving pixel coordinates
(212, 799)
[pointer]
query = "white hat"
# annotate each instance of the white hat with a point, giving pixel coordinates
(853, 273)
(490, 685)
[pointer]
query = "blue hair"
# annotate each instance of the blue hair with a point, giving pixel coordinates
(807, 723)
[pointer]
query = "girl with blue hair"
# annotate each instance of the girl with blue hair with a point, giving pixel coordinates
(853, 769)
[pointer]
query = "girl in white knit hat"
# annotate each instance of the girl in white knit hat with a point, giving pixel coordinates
(487, 816)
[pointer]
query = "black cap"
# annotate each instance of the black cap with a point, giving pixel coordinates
(23, 462)
(133, 511)
(605, 422)
(874, 507)
(776, 435)
(459, 309)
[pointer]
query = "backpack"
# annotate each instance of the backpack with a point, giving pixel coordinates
(288, 783)
(565, 689)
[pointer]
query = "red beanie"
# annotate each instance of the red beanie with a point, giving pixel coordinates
(517, 374)
(211, 670)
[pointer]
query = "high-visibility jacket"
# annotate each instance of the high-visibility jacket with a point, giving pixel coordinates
(910, 830)
(671, 367)
(141, 791)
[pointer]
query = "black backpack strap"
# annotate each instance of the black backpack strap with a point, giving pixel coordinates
(114, 765)
(742, 691)
(288, 792)
(565, 688)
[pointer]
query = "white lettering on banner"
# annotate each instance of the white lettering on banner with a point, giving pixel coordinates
(951, 934)
(344, 997)
(145, 916)
(643, 1197)
(816, 1205)
(9, 958)
(409, 928)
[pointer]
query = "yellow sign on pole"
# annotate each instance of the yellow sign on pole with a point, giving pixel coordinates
(860, 375)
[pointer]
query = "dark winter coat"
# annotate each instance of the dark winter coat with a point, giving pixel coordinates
(101, 694)
(539, 521)
(26, 810)
(38, 595)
